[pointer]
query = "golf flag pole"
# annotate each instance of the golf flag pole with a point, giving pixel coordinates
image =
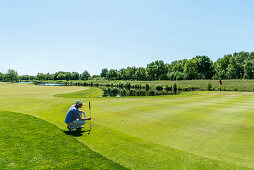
(90, 115)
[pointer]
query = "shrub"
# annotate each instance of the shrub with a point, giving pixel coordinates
(163, 93)
(85, 84)
(159, 88)
(132, 92)
(115, 91)
(127, 85)
(105, 92)
(174, 88)
(137, 86)
(147, 87)
(168, 88)
(151, 93)
(123, 92)
(120, 85)
(138, 93)
(209, 86)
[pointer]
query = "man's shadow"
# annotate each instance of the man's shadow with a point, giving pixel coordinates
(76, 133)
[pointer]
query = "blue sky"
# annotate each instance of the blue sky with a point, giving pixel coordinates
(62, 35)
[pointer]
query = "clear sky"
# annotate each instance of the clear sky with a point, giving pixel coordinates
(63, 35)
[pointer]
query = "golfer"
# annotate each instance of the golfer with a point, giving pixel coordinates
(74, 118)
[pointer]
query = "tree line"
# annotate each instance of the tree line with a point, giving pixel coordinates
(232, 66)
(12, 76)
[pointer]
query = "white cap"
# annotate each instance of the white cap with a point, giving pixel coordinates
(78, 102)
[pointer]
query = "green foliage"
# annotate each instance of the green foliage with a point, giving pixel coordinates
(174, 88)
(209, 86)
(159, 87)
(147, 87)
(151, 93)
(85, 75)
(168, 88)
(11, 76)
(249, 69)
(191, 69)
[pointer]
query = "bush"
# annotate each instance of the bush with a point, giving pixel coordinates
(132, 92)
(168, 88)
(105, 92)
(124, 92)
(127, 85)
(120, 85)
(147, 87)
(159, 88)
(115, 91)
(140, 93)
(163, 93)
(174, 88)
(137, 86)
(151, 93)
(209, 86)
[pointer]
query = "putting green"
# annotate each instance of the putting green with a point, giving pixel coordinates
(205, 130)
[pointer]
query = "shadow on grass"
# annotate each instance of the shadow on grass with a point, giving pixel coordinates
(77, 133)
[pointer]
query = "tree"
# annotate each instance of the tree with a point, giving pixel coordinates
(204, 66)
(75, 76)
(140, 74)
(157, 70)
(40, 76)
(57, 73)
(177, 65)
(249, 69)
(1, 76)
(104, 72)
(68, 76)
(113, 74)
(11, 75)
(49, 76)
(85, 75)
(235, 70)
(61, 76)
(190, 69)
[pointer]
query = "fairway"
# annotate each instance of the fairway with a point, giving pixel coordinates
(195, 130)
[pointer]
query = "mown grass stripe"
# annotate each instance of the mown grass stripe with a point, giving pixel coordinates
(31, 143)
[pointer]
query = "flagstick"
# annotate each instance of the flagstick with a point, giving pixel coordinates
(90, 117)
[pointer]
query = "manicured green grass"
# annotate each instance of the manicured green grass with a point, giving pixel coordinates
(27, 142)
(87, 93)
(195, 130)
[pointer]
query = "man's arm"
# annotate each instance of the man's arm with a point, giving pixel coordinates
(85, 118)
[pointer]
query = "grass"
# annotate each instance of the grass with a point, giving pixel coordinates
(87, 93)
(27, 142)
(195, 130)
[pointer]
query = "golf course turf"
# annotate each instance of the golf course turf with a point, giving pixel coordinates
(31, 143)
(194, 130)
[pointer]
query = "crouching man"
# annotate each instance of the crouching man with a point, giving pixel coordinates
(74, 118)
